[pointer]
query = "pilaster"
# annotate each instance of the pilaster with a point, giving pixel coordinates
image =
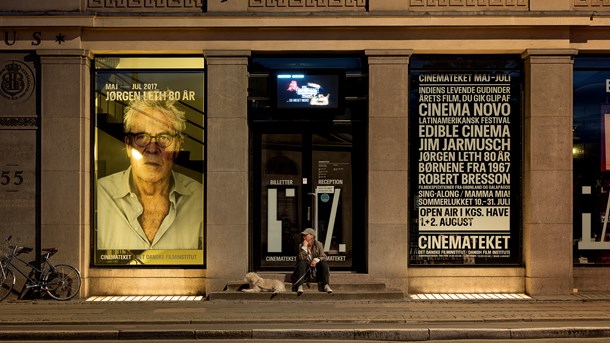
(66, 155)
(547, 171)
(227, 167)
(388, 166)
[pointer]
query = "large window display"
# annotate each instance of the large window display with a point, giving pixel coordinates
(465, 160)
(591, 156)
(149, 161)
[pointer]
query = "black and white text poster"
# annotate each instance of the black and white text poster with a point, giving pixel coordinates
(465, 166)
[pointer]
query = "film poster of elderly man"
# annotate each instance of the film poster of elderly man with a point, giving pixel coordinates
(149, 213)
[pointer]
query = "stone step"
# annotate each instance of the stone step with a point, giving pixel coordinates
(236, 286)
(345, 287)
(310, 294)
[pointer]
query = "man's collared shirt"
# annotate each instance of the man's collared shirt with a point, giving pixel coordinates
(118, 210)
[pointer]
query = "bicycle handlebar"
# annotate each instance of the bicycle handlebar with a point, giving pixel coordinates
(23, 250)
(26, 250)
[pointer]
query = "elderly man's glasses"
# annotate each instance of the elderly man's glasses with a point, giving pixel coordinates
(143, 139)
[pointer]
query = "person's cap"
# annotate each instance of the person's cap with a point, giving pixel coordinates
(308, 232)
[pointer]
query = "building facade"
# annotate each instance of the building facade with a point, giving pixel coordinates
(438, 146)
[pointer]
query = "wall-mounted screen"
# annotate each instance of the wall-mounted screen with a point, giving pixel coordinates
(307, 91)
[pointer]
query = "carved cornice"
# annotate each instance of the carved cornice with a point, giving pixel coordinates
(451, 5)
(307, 5)
(591, 4)
(18, 122)
(145, 5)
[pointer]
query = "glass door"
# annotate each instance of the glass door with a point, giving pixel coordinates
(305, 179)
(282, 190)
(332, 194)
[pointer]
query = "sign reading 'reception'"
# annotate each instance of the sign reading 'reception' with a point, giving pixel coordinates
(465, 161)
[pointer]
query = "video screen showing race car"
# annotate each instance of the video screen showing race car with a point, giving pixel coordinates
(302, 91)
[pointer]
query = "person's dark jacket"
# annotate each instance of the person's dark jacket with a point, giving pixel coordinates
(316, 252)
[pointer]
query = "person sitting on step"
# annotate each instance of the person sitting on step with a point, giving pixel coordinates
(311, 263)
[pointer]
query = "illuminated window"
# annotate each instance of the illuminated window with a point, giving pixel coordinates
(591, 156)
(465, 160)
(149, 161)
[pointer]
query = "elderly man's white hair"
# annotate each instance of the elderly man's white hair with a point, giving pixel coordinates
(166, 107)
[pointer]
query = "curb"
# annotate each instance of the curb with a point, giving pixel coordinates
(567, 332)
(390, 320)
(301, 334)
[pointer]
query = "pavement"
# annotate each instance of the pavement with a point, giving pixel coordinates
(573, 316)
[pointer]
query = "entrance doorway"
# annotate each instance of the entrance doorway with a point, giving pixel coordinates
(307, 179)
(307, 120)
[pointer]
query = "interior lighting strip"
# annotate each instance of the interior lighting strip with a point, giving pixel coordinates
(470, 296)
(124, 298)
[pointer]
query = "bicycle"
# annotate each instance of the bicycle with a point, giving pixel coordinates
(60, 282)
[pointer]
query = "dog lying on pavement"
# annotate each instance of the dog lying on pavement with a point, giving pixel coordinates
(258, 284)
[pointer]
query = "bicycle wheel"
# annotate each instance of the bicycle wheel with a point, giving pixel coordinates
(8, 281)
(62, 282)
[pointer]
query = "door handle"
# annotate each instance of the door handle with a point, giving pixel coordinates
(314, 222)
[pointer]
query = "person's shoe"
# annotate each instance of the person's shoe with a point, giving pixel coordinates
(300, 290)
(327, 289)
